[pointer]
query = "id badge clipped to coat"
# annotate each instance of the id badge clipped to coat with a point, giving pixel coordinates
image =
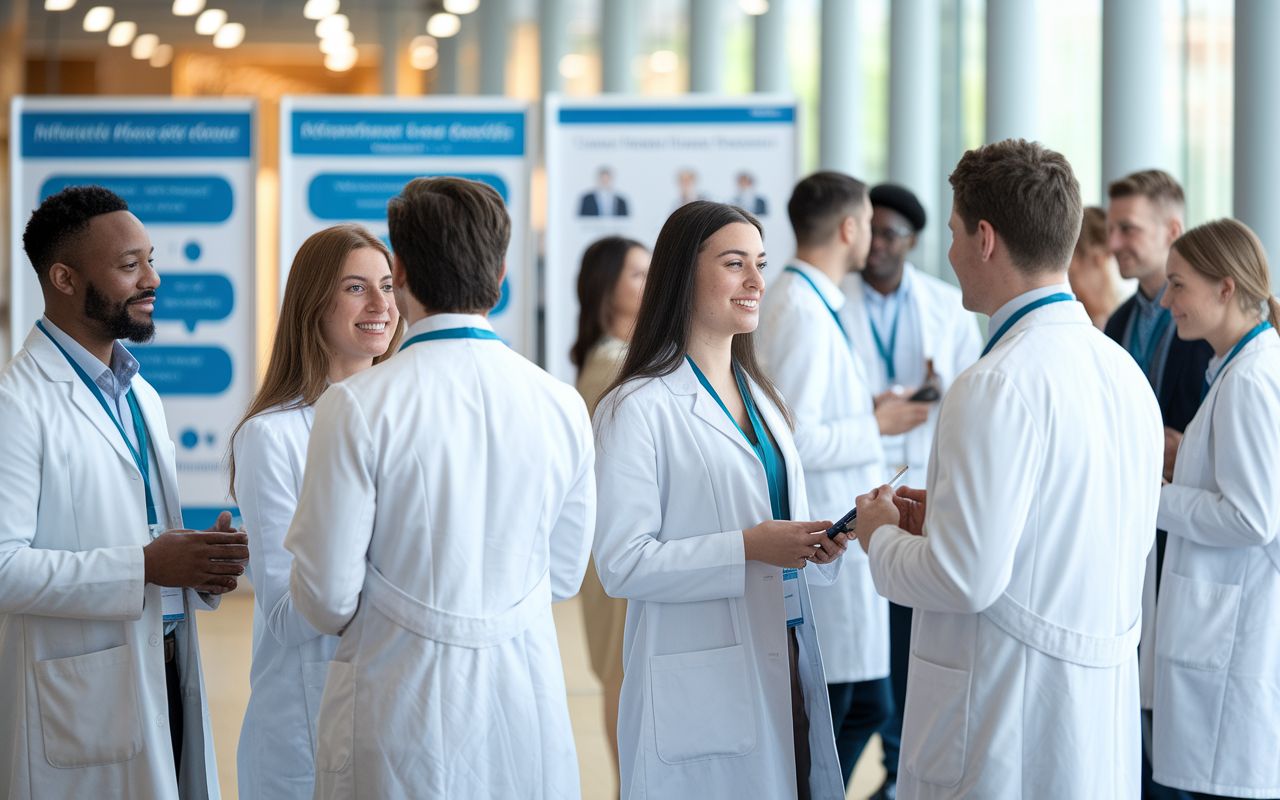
(171, 605)
(791, 597)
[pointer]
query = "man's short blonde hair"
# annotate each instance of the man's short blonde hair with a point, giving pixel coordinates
(1156, 185)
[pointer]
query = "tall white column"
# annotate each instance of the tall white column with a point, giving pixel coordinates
(553, 42)
(1132, 88)
(447, 67)
(913, 112)
(706, 46)
(494, 19)
(1012, 89)
(1257, 119)
(841, 119)
(771, 69)
(619, 44)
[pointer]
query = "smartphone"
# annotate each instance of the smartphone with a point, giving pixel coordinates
(848, 519)
(925, 394)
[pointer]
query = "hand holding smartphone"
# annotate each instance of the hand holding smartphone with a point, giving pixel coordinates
(847, 521)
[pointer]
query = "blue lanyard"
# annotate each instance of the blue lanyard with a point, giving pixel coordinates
(886, 353)
(1248, 337)
(830, 310)
(1144, 354)
(762, 448)
(1060, 297)
(452, 333)
(139, 426)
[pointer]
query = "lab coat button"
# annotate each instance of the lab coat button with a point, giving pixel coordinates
(135, 477)
(155, 640)
(160, 720)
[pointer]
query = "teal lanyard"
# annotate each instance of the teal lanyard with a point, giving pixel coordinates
(830, 310)
(1248, 337)
(762, 448)
(1144, 354)
(886, 353)
(139, 426)
(452, 333)
(1060, 297)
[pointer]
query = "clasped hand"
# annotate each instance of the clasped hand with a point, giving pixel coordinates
(208, 561)
(792, 545)
(883, 506)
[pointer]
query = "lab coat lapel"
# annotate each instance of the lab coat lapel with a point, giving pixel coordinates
(683, 381)
(158, 432)
(58, 369)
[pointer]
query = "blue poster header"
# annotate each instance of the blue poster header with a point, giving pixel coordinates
(408, 133)
(92, 134)
(674, 115)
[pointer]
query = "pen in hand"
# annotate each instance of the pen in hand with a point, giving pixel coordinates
(847, 521)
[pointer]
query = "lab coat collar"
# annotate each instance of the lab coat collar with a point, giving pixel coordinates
(830, 292)
(440, 322)
(683, 381)
(1026, 298)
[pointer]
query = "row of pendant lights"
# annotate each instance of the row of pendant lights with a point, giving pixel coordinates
(147, 47)
(337, 42)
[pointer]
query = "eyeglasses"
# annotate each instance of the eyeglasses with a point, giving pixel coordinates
(891, 235)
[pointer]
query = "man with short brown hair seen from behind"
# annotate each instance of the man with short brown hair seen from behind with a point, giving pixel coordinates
(1024, 559)
(448, 500)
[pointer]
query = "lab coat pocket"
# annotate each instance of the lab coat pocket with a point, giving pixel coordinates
(336, 726)
(104, 730)
(935, 723)
(1196, 621)
(313, 680)
(703, 707)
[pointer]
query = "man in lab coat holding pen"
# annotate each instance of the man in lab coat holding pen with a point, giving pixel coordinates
(1024, 560)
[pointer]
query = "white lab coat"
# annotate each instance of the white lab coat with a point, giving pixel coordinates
(705, 710)
(449, 499)
(276, 756)
(947, 333)
(84, 709)
(824, 381)
(1027, 583)
(1217, 664)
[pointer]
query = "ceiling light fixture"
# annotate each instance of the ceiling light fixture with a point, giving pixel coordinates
(229, 36)
(461, 6)
(332, 24)
(423, 52)
(319, 9)
(98, 18)
(58, 5)
(442, 26)
(210, 20)
(122, 33)
(144, 46)
(754, 7)
(342, 61)
(162, 56)
(187, 8)
(573, 65)
(336, 44)
(663, 61)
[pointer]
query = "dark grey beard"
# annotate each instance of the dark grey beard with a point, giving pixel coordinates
(114, 317)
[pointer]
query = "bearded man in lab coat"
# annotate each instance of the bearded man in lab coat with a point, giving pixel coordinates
(101, 693)
(1024, 560)
(448, 500)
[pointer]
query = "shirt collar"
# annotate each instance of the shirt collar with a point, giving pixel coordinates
(113, 380)
(440, 322)
(904, 287)
(1010, 308)
(831, 293)
(1150, 308)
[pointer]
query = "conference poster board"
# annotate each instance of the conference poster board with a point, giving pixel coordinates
(618, 165)
(186, 169)
(343, 158)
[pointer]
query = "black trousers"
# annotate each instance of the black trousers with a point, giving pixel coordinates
(799, 719)
(857, 711)
(174, 685)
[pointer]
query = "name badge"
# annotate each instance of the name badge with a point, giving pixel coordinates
(791, 597)
(171, 603)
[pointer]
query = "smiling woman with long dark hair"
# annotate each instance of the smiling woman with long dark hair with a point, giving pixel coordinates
(698, 483)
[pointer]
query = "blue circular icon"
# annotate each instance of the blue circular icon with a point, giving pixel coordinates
(192, 251)
(190, 438)
(504, 300)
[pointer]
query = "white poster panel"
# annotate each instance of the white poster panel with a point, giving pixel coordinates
(343, 158)
(618, 165)
(186, 169)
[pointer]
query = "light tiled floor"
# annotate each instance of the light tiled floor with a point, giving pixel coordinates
(226, 650)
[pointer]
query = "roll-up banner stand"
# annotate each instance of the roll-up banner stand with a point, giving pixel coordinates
(186, 169)
(343, 158)
(620, 164)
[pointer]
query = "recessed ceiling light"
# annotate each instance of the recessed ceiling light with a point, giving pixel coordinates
(58, 5)
(145, 46)
(319, 9)
(187, 8)
(334, 23)
(337, 43)
(122, 33)
(461, 6)
(424, 58)
(162, 56)
(98, 18)
(342, 61)
(442, 26)
(210, 20)
(229, 36)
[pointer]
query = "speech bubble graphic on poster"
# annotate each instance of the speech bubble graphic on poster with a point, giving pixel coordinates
(194, 298)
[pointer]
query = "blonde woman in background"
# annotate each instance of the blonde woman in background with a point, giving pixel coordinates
(338, 318)
(610, 287)
(1217, 644)
(1093, 274)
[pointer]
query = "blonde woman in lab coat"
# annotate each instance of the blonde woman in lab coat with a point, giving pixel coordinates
(338, 318)
(724, 694)
(1217, 644)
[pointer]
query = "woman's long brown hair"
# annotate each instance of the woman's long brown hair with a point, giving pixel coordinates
(661, 337)
(298, 371)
